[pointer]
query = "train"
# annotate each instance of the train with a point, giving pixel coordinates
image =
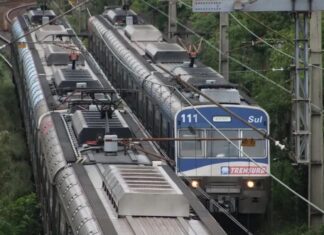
(136, 56)
(88, 182)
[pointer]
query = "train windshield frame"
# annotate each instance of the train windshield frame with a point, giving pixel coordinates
(211, 149)
(220, 147)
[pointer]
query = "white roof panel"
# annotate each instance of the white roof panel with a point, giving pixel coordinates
(143, 33)
(144, 191)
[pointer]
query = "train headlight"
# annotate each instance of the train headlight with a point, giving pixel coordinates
(195, 184)
(250, 184)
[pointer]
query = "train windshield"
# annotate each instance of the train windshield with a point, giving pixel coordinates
(220, 147)
(209, 143)
(192, 147)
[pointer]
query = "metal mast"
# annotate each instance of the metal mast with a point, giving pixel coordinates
(307, 93)
(301, 91)
(223, 45)
(316, 170)
(172, 24)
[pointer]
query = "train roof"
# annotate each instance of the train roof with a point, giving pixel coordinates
(169, 62)
(112, 177)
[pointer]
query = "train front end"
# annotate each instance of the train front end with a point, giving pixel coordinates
(225, 156)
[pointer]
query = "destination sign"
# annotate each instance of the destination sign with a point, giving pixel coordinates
(255, 5)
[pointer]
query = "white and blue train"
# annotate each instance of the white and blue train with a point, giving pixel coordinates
(88, 183)
(135, 56)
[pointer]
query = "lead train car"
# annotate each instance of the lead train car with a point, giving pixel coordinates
(87, 183)
(136, 57)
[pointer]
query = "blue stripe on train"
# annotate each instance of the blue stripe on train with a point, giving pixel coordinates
(256, 117)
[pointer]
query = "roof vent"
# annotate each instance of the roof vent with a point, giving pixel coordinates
(89, 125)
(162, 52)
(143, 33)
(47, 33)
(56, 55)
(68, 79)
(132, 188)
(118, 16)
(36, 16)
(203, 76)
(224, 96)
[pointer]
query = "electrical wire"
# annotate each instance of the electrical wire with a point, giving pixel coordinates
(276, 142)
(267, 27)
(237, 147)
(252, 160)
(219, 51)
(172, 88)
(261, 39)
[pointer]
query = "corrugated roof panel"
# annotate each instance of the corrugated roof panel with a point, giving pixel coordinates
(144, 191)
(163, 52)
(143, 33)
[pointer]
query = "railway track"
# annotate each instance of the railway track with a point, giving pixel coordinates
(13, 12)
(9, 16)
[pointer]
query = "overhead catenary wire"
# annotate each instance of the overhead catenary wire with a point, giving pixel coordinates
(259, 38)
(267, 27)
(232, 58)
(219, 51)
(172, 88)
(251, 159)
(222, 134)
(276, 142)
(262, 40)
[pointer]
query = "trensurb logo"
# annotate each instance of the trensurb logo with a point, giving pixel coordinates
(224, 170)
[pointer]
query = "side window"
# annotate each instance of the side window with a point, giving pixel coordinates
(257, 148)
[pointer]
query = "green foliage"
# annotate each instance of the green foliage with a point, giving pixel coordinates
(21, 216)
(19, 212)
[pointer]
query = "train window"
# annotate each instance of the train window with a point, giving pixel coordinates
(222, 148)
(258, 148)
(191, 148)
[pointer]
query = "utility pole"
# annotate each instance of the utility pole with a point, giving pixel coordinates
(224, 45)
(316, 172)
(172, 24)
(301, 89)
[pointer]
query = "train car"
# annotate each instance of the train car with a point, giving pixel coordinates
(135, 56)
(87, 181)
